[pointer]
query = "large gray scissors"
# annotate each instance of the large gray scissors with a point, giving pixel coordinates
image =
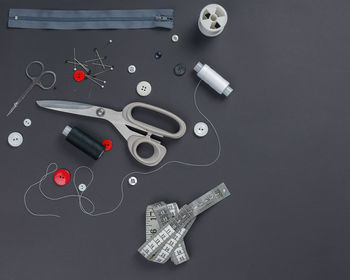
(36, 81)
(122, 121)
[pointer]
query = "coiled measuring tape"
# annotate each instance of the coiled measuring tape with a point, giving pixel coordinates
(167, 225)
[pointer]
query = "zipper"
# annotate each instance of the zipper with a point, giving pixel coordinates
(63, 19)
(91, 19)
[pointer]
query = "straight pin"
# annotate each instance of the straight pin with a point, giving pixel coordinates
(99, 80)
(75, 66)
(94, 59)
(99, 73)
(72, 62)
(85, 68)
(98, 64)
(98, 55)
(93, 80)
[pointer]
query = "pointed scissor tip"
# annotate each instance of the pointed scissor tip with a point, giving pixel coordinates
(11, 110)
(41, 103)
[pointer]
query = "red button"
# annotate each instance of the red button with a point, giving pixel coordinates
(61, 177)
(108, 144)
(79, 75)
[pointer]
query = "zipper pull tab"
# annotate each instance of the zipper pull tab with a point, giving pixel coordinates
(163, 18)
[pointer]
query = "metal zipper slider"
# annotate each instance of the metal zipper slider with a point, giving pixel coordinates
(163, 18)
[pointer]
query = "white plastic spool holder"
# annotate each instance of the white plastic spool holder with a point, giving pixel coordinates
(212, 20)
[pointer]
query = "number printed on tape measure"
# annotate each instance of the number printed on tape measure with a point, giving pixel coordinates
(153, 245)
(178, 251)
(172, 242)
(159, 259)
(158, 240)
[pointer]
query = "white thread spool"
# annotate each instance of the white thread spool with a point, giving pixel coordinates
(213, 79)
(212, 20)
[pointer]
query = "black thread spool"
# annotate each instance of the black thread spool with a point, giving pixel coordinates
(83, 142)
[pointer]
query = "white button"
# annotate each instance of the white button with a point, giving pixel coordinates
(132, 69)
(175, 38)
(27, 122)
(201, 129)
(15, 139)
(82, 187)
(144, 88)
(132, 181)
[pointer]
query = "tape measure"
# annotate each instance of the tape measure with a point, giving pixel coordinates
(167, 225)
(156, 216)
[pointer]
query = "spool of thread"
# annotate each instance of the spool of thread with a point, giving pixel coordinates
(213, 79)
(83, 142)
(212, 20)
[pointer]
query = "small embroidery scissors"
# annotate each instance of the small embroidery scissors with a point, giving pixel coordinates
(123, 121)
(36, 81)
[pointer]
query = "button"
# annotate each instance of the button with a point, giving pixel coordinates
(27, 122)
(143, 88)
(15, 139)
(79, 75)
(175, 38)
(82, 187)
(201, 129)
(132, 69)
(179, 69)
(132, 181)
(158, 55)
(107, 144)
(61, 177)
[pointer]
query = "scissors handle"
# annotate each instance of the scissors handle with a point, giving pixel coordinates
(37, 79)
(134, 141)
(159, 150)
(127, 114)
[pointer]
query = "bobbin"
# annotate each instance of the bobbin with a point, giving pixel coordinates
(212, 20)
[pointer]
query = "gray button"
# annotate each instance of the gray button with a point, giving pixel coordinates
(175, 38)
(132, 69)
(201, 129)
(132, 181)
(27, 122)
(144, 88)
(82, 187)
(179, 69)
(15, 139)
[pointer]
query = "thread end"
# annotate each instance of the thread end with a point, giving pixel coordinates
(198, 67)
(66, 130)
(227, 91)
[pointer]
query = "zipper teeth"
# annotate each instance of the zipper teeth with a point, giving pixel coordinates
(155, 18)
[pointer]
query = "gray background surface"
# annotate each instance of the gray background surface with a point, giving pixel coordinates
(284, 141)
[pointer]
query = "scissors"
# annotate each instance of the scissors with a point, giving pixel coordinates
(36, 81)
(123, 121)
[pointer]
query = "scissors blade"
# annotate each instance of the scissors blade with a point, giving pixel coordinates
(82, 109)
(12, 109)
(76, 108)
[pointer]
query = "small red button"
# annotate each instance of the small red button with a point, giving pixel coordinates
(108, 144)
(61, 177)
(79, 75)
